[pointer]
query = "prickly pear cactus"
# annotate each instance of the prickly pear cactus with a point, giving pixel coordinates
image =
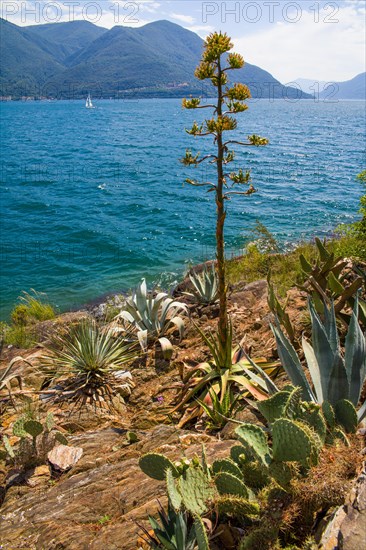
(329, 414)
(50, 422)
(18, 428)
(255, 474)
(156, 465)
(313, 416)
(283, 473)
(273, 407)
(175, 498)
(196, 490)
(254, 441)
(237, 454)
(33, 428)
(293, 405)
(237, 507)
(226, 465)
(201, 535)
(294, 441)
(228, 484)
(61, 438)
(346, 415)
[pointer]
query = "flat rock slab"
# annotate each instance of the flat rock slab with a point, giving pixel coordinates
(106, 482)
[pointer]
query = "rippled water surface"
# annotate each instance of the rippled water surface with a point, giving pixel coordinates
(92, 200)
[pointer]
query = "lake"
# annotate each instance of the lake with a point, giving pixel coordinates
(92, 200)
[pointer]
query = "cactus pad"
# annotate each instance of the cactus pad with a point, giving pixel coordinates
(226, 465)
(292, 441)
(314, 417)
(329, 414)
(18, 428)
(237, 507)
(61, 438)
(283, 473)
(156, 465)
(33, 428)
(174, 495)
(273, 407)
(228, 484)
(293, 405)
(254, 440)
(201, 535)
(346, 415)
(255, 474)
(238, 455)
(196, 490)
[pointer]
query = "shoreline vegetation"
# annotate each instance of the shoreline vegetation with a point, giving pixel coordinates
(262, 255)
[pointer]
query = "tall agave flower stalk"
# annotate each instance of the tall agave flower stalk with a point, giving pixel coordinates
(215, 65)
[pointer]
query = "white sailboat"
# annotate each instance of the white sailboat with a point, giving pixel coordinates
(89, 104)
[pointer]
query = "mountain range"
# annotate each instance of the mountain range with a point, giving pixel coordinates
(332, 91)
(69, 60)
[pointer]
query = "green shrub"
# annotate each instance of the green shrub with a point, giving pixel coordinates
(20, 315)
(38, 309)
(19, 336)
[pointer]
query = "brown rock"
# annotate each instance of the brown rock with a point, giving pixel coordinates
(64, 457)
(67, 514)
(347, 528)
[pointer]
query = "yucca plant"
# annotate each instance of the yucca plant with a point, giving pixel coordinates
(205, 286)
(89, 361)
(153, 317)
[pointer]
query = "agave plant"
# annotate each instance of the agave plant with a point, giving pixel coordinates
(205, 286)
(337, 381)
(218, 411)
(153, 317)
(175, 532)
(90, 361)
(227, 368)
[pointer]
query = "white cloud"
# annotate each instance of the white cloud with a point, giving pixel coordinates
(319, 50)
(182, 18)
(202, 30)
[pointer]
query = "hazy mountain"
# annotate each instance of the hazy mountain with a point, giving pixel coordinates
(324, 89)
(309, 86)
(66, 60)
(350, 89)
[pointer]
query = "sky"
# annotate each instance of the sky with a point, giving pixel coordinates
(319, 40)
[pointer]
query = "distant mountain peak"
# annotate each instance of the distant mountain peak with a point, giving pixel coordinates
(71, 59)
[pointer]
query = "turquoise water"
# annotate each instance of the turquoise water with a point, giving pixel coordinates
(92, 200)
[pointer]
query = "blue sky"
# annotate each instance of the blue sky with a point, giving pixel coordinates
(320, 40)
